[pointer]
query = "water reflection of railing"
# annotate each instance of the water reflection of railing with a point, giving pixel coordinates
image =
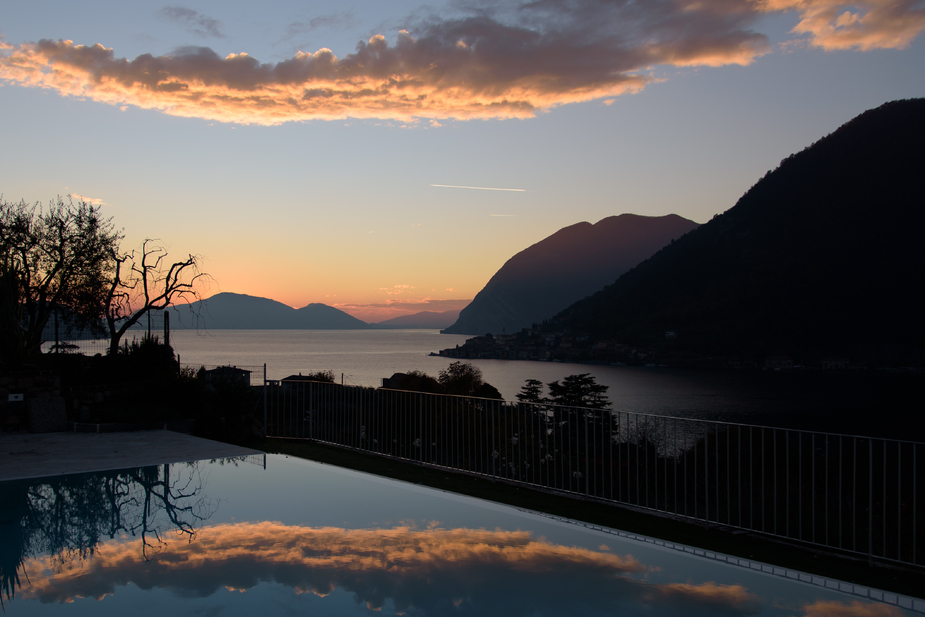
(857, 494)
(260, 460)
(65, 518)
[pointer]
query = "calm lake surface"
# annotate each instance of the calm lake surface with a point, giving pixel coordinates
(875, 403)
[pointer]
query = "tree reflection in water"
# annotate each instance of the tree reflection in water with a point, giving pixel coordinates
(67, 517)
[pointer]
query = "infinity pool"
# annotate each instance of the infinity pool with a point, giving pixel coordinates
(274, 535)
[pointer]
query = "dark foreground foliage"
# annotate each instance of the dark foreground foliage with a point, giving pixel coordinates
(143, 386)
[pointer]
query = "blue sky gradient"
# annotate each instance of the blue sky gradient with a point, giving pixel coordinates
(339, 207)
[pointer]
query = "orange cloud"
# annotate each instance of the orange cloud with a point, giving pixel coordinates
(501, 63)
(379, 81)
(719, 596)
(266, 547)
(396, 289)
(862, 25)
(90, 200)
(431, 569)
(855, 609)
(476, 67)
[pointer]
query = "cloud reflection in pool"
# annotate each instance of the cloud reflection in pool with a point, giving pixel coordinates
(229, 538)
(437, 571)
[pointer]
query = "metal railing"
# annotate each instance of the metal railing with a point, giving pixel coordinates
(857, 494)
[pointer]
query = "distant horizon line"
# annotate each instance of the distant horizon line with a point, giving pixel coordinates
(412, 309)
(478, 188)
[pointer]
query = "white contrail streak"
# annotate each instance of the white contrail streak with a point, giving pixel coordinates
(479, 188)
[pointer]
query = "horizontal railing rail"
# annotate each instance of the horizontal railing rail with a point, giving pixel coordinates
(857, 494)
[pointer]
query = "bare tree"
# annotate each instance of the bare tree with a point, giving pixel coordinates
(52, 259)
(69, 517)
(145, 280)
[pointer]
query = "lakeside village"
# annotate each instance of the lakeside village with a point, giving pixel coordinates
(578, 348)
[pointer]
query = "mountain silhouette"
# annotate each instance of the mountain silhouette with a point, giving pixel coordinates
(572, 263)
(239, 311)
(429, 320)
(821, 256)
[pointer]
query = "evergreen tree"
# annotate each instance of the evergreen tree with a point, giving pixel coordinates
(579, 391)
(531, 392)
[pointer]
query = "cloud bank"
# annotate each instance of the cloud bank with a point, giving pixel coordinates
(509, 62)
(869, 24)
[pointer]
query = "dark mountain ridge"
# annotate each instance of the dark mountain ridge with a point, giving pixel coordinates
(821, 256)
(572, 263)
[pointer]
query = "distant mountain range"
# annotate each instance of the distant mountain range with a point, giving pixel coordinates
(532, 286)
(239, 311)
(425, 320)
(232, 311)
(822, 256)
(569, 265)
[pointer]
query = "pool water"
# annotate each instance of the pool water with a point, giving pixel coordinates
(274, 535)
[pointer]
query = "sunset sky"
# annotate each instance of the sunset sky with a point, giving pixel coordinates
(318, 151)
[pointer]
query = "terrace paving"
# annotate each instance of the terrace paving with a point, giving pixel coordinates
(31, 455)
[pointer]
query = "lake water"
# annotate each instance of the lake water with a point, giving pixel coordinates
(876, 403)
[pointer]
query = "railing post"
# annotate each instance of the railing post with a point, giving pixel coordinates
(587, 475)
(883, 521)
(266, 393)
(870, 501)
(706, 473)
(854, 494)
(493, 459)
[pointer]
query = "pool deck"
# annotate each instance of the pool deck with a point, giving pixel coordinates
(37, 455)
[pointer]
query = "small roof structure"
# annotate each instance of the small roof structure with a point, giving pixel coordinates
(228, 373)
